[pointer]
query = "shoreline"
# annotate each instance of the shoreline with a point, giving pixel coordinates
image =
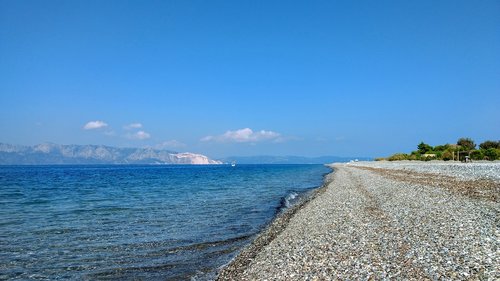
(396, 220)
(238, 264)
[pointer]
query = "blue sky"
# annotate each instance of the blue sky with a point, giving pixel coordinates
(347, 78)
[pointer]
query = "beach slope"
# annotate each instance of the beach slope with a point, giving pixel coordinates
(385, 220)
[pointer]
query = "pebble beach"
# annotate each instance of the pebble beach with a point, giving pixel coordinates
(385, 220)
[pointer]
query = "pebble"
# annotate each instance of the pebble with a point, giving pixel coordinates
(364, 225)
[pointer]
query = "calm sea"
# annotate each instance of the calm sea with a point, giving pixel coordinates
(138, 222)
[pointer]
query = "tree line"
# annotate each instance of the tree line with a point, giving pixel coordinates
(465, 148)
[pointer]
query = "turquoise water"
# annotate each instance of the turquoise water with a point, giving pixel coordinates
(137, 222)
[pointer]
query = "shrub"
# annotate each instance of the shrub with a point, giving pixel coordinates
(477, 155)
(492, 153)
(414, 157)
(398, 157)
(447, 155)
(380, 159)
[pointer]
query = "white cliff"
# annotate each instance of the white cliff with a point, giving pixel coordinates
(49, 153)
(192, 158)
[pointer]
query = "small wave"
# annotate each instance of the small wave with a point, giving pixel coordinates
(204, 245)
(289, 200)
(293, 198)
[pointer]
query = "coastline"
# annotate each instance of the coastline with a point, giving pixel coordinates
(383, 222)
(238, 264)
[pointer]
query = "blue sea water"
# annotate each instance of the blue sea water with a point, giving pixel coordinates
(137, 222)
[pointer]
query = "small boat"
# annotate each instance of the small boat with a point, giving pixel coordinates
(233, 164)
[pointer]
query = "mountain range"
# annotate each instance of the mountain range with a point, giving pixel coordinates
(49, 153)
(267, 159)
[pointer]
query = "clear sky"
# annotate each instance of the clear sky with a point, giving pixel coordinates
(347, 78)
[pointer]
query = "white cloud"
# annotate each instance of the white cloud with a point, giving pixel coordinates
(132, 126)
(245, 135)
(139, 135)
(170, 144)
(92, 125)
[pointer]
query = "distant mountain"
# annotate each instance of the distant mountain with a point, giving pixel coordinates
(265, 159)
(49, 153)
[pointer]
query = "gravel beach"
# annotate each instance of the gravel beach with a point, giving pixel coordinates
(385, 220)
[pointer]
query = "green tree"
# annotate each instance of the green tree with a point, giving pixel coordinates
(466, 144)
(491, 153)
(477, 155)
(423, 148)
(489, 144)
(441, 147)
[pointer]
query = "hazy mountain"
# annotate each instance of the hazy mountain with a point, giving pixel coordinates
(49, 153)
(265, 159)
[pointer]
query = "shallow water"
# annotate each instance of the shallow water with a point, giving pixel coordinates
(137, 222)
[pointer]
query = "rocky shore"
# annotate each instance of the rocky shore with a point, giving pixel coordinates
(381, 220)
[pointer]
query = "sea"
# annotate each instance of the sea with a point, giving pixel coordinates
(151, 222)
